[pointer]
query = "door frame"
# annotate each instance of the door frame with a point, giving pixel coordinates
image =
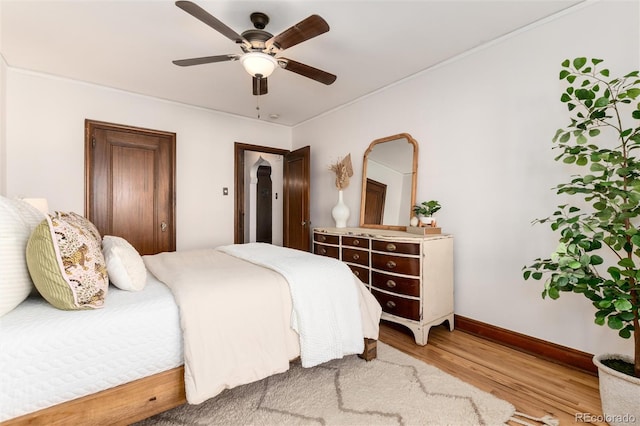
(239, 184)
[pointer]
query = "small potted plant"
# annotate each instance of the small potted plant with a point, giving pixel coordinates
(425, 211)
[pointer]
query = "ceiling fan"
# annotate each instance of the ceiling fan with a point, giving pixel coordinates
(260, 47)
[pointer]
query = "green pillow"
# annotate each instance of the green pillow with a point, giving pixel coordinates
(66, 264)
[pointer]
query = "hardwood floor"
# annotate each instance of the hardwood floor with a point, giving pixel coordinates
(534, 386)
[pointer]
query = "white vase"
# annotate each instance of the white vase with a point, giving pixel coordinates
(619, 393)
(340, 212)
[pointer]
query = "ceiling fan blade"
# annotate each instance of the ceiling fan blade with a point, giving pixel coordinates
(201, 14)
(304, 30)
(307, 71)
(205, 60)
(259, 86)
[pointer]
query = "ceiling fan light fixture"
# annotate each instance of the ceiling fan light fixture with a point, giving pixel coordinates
(258, 64)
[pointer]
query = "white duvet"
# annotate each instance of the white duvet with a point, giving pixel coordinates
(324, 295)
(236, 316)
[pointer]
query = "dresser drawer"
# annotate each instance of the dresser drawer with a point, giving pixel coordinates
(362, 273)
(323, 238)
(394, 305)
(355, 256)
(329, 251)
(395, 247)
(356, 242)
(400, 285)
(396, 264)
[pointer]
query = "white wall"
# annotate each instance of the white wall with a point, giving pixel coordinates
(3, 126)
(45, 148)
(484, 122)
(3, 110)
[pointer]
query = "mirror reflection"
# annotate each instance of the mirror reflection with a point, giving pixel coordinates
(389, 182)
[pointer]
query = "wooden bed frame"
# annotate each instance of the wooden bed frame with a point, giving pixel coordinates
(130, 402)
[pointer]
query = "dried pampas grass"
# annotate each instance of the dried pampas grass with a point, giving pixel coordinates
(343, 170)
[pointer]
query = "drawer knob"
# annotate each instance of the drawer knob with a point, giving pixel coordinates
(356, 242)
(391, 304)
(391, 283)
(391, 264)
(391, 247)
(356, 256)
(356, 273)
(323, 250)
(322, 238)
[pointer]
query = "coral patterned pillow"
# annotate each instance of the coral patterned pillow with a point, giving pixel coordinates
(65, 260)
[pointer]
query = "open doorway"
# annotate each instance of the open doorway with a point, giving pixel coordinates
(248, 158)
(293, 223)
(263, 202)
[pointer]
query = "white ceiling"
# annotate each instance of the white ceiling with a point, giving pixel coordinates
(129, 45)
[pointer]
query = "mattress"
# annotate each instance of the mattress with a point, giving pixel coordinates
(49, 356)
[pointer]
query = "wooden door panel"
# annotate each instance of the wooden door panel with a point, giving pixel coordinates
(130, 175)
(374, 206)
(132, 183)
(297, 177)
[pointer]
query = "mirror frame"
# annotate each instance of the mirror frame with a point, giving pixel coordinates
(414, 180)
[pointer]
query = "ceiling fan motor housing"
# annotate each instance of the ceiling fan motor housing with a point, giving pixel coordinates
(257, 38)
(259, 20)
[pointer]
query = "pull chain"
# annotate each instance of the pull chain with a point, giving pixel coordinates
(258, 105)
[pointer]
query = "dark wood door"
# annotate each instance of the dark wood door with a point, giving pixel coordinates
(264, 206)
(296, 199)
(130, 184)
(374, 206)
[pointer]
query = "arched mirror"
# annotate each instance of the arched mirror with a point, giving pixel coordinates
(389, 177)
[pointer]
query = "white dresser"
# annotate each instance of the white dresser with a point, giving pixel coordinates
(410, 275)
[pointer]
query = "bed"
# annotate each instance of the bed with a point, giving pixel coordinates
(126, 361)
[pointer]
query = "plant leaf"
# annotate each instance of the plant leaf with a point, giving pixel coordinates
(633, 92)
(622, 305)
(579, 62)
(615, 323)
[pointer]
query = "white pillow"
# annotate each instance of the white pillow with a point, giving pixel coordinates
(125, 267)
(17, 220)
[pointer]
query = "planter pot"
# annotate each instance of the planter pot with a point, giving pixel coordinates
(619, 392)
(427, 221)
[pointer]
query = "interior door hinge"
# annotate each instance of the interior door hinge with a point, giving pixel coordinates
(93, 141)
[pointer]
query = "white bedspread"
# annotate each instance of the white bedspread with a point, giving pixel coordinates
(236, 318)
(49, 356)
(324, 295)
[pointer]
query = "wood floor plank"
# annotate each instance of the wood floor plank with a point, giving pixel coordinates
(535, 386)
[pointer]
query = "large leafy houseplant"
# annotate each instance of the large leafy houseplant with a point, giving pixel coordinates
(598, 254)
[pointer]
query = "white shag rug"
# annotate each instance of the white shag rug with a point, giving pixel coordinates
(394, 389)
